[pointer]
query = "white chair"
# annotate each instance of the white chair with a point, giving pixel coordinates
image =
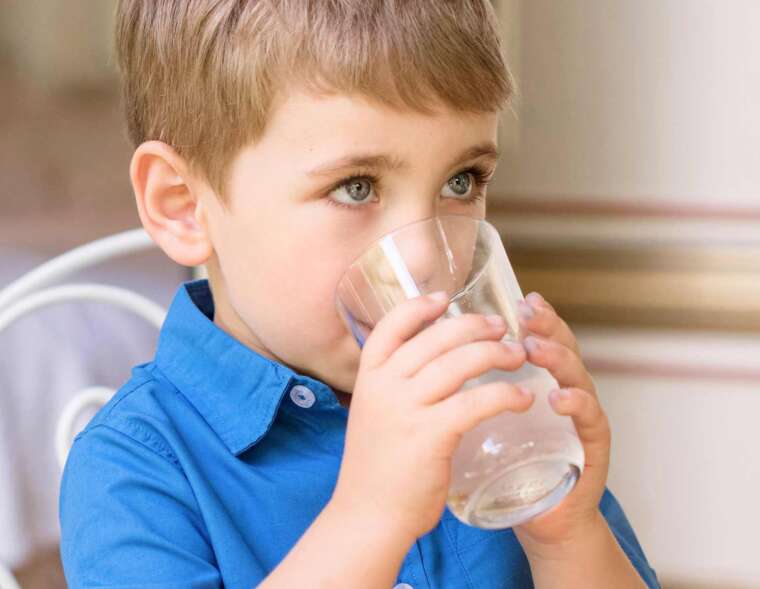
(7, 580)
(34, 291)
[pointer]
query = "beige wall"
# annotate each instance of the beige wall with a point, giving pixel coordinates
(652, 102)
(645, 99)
(683, 407)
(56, 44)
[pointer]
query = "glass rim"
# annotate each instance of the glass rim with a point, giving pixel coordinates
(404, 227)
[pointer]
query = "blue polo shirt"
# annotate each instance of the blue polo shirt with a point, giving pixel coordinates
(209, 464)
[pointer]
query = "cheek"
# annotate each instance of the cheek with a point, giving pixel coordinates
(319, 282)
(298, 284)
(285, 277)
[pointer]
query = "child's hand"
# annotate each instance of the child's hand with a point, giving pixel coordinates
(551, 345)
(405, 420)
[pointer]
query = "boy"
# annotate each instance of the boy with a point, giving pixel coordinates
(275, 140)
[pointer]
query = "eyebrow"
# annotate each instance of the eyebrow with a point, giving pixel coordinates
(386, 162)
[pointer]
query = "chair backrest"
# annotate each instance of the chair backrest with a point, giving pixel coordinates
(34, 291)
(41, 287)
(7, 580)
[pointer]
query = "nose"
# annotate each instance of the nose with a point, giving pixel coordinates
(413, 254)
(419, 258)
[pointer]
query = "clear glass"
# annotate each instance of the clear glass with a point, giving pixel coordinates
(511, 467)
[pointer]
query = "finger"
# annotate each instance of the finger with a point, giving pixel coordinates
(448, 373)
(538, 299)
(539, 317)
(442, 337)
(562, 363)
(401, 323)
(590, 422)
(463, 411)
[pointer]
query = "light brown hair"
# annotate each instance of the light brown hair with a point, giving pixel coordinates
(203, 75)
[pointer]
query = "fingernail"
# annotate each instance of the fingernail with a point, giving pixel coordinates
(524, 391)
(525, 310)
(515, 347)
(496, 320)
(439, 296)
(532, 344)
(559, 395)
(536, 299)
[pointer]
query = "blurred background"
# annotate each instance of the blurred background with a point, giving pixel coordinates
(628, 194)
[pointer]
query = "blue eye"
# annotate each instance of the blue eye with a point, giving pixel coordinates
(359, 189)
(353, 192)
(460, 185)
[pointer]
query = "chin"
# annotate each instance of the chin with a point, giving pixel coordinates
(345, 381)
(344, 378)
(337, 365)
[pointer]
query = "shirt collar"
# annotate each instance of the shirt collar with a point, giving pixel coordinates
(235, 389)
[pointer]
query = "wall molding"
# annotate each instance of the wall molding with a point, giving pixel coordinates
(626, 264)
(617, 207)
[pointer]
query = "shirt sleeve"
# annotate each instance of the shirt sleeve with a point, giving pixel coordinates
(626, 537)
(128, 516)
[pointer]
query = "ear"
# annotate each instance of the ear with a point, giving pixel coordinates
(169, 210)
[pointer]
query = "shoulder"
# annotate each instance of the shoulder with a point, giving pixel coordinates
(141, 412)
(125, 453)
(125, 498)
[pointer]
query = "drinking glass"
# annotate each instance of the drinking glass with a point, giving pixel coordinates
(511, 467)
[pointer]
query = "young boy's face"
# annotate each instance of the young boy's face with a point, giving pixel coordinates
(285, 241)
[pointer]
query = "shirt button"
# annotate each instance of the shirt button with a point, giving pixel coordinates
(403, 586)
(302, 396)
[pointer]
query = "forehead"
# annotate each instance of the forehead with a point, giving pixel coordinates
(316, 126)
